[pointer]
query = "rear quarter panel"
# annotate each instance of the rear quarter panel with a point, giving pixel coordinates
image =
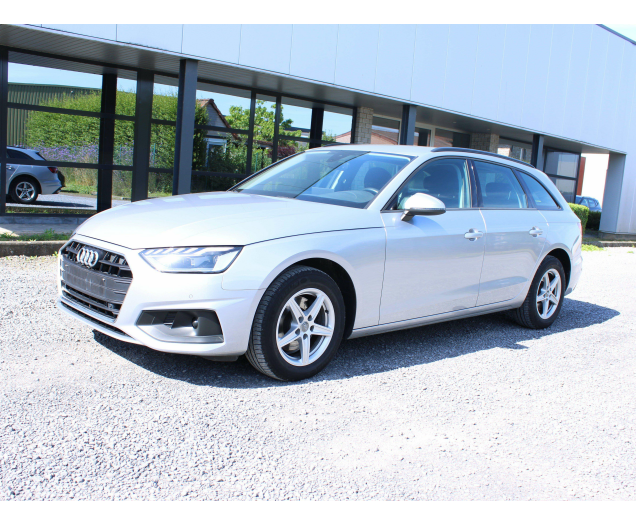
(564, 232)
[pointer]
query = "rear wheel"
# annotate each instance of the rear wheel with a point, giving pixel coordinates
(545, 296)
(298, 325)
(24, 190)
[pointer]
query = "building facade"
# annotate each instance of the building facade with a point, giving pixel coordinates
(542, 93)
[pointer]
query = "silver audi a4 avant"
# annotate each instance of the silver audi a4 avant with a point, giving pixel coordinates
(333, 243)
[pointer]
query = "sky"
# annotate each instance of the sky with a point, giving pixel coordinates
(626, 30)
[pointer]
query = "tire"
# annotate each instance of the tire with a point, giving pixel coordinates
(307, 351)
(533, 313)
(24, 190)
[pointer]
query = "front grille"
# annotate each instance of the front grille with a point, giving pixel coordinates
(100, 290)
(109, 263)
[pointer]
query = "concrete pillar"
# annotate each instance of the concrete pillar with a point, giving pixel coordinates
(407, 127)
(537, 152)
(184, 135)
(612, 198)
(484, 141)
(364, 121)
(141, 153)
(106, 142)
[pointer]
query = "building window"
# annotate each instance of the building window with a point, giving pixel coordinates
(562, 167)
(450, 139)
(515, 150)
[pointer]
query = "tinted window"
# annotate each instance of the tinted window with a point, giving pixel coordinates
(15, 154)
(446, 179)
(332, 176)
(539, 194)
(499, 186)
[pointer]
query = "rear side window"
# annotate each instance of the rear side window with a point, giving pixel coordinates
(499, 186)
(540, 195)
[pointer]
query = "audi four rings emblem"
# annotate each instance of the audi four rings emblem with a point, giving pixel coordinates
(87, 257)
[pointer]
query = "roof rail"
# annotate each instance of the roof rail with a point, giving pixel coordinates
(480, 152)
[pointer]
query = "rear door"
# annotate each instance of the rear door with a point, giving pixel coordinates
(515, 233)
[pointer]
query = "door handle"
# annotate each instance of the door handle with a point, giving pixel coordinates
(535, 231)
(473, 234)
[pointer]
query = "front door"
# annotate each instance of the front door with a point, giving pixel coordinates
(433, 263)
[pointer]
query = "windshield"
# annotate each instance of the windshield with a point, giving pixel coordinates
(345, 177)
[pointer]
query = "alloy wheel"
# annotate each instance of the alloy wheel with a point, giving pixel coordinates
(548, 294)
(305, 327)
(25, 190)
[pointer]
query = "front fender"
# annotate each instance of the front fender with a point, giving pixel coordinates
(360, 252)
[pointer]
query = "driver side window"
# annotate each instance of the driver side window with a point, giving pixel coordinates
(446, 179)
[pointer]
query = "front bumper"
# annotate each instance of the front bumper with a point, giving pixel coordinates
(153, 290)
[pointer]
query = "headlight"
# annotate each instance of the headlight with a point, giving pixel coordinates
(211, 259)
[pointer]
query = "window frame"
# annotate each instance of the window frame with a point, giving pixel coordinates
(473, 200)
(530, 201)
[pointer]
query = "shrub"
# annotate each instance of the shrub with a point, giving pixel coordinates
(594, 220)
(582, 212)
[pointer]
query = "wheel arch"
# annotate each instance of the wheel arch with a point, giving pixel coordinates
(564, 258)
(344, 282)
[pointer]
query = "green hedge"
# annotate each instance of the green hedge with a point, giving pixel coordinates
(594, 220)
(582, 212)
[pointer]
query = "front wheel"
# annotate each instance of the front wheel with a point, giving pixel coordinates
(545, 296)
(298, 325)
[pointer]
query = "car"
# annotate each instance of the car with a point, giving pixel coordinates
(26, 182)
(590, 202)
(333, 243)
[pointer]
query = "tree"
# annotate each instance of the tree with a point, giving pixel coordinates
(264, 120)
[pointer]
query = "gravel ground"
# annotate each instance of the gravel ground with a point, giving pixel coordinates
(473, 409)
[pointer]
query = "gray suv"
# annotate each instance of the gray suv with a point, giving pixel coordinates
(591, 203)
(25, 182)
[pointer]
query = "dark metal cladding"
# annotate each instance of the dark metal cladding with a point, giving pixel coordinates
(100, 290)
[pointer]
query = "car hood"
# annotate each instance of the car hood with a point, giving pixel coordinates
(219, 219)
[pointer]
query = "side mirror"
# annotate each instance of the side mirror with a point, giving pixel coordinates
(422, 204)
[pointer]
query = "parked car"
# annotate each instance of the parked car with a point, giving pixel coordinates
(333, 243)
(591, 203)
(26, 182)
